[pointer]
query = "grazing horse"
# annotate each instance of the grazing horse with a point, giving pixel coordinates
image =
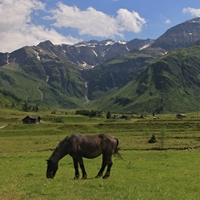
(79, 146)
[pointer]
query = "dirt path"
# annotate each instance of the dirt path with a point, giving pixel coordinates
(3, 126)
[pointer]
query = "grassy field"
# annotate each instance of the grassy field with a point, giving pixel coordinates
(148, 171)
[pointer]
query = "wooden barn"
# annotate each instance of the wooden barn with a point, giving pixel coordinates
(180, 115)
(31, 119)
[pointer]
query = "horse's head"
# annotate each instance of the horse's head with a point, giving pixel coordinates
(52, 167)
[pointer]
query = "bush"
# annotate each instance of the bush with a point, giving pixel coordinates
(83, 112)
(58, 120)
(108, 115)
(152, 139)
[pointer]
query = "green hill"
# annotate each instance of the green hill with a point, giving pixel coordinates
(130, 77)
(117, 72)
(48, 81)
(170, 84)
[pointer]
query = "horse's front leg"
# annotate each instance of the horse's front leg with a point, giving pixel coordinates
(84, 174)
(76, 169)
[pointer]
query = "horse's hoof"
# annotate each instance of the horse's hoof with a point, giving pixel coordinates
(99, 175)
(76, 177)
(84, 177)
(105, 177)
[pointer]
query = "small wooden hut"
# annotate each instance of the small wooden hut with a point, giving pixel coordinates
(31, 119)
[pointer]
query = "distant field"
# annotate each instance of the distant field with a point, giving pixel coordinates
(148, 171)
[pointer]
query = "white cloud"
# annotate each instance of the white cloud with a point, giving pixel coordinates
(89, 22)
(17, 29)
(129, 21)
(96, 23)
(193, 11)
(165, 19)
(22, 23)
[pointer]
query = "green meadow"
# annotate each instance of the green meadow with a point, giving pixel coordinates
(165, 170)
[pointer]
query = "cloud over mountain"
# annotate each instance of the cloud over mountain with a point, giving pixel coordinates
(28, 22)
(193, 11)
(17, 28)
(96, 23)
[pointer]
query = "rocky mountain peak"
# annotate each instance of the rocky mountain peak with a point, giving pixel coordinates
(179, 36)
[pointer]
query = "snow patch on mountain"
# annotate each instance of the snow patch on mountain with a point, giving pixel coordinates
(95, 53)
(144, 47)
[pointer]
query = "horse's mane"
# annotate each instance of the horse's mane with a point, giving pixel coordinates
(59, 149)
(62, 142)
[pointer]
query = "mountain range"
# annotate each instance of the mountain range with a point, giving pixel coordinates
(142, 75)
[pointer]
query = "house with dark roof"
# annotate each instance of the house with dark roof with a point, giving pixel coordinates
(180, 115)
(31, 119)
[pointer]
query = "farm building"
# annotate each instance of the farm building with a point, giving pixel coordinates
(31, 119)
(122, 117)
(180, 115)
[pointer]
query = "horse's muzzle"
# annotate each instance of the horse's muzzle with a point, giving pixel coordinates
(50, 175)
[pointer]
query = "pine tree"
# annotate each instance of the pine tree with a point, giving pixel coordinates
(108, 115)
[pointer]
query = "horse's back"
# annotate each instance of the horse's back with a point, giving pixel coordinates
(93, 145)
(93, 138)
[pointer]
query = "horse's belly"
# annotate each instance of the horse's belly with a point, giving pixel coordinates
(91, 155)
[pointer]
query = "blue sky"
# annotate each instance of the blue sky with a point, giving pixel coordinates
(29, 22)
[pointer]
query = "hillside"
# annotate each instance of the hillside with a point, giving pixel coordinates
(117, 72)
(52, 75)
(43, 79)
(170, 84)
(127, 76)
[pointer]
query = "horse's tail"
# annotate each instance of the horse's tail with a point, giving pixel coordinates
(117, 149)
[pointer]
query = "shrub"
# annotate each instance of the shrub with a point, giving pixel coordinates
(152, 139)
(108, 115)
(58, 120)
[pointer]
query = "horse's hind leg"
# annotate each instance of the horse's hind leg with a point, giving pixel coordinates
(103, 165)
(109, 165)
(76, 168)
(100, 173)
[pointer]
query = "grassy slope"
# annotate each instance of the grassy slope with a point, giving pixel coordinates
(170, 84)
(20, 84)
(64, 88)
(117, 72)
